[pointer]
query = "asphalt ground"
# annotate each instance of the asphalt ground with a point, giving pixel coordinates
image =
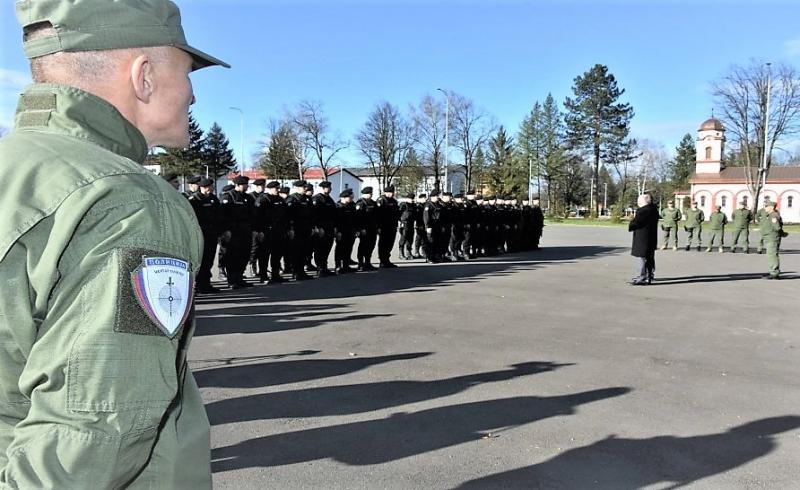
(533, 370)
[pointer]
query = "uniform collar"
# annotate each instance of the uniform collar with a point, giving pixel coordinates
(61, 109)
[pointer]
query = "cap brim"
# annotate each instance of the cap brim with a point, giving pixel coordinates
(201, 59)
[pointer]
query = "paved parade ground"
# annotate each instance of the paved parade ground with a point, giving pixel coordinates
(535, 370)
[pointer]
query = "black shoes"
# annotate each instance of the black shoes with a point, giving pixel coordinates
(208, 289)
(388, 265)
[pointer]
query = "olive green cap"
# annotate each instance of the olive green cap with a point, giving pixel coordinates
(96, 25)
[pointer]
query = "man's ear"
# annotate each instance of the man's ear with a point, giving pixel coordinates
(143, 78)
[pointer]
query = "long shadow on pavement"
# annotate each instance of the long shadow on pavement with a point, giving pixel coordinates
(357, 398)
(716, 278)
(623, 464)
(287, 372)
(401, 435)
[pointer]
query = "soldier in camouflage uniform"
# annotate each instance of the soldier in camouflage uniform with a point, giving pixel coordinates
(741, 227)
(670, 217)
(771, 229)
(694, 227)
(761, 216)
(717, 223)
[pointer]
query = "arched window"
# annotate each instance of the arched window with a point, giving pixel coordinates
(708, 153)
(744, 200)
(702, 201)
(789, 201)
(724, 202)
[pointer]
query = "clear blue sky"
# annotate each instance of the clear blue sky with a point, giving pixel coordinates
(503, 54)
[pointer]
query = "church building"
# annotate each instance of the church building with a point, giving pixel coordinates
(713, 184)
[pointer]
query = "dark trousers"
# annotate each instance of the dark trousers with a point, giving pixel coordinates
(257, 245)
(223, 256)
(406, 239)
(299, 248)
(469, 241)
(456, 240)
(344, 248)
(323, 242)
(366, 245)
(209, 250)
(443, 240)
(645, 268)
(269, 252)
(420, 241)
(385, 244)
(236, 254)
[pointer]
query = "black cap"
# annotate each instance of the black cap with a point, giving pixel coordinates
(170, 176)
(423, 196)
(366, 190)
(535, 196)
(388, 188)
(284, 190)
(228, 187)
(471, 192)
(299, 183)
(479, 196)
(241, 180)
(346, 193)
(206, 182)
(193, 179)
(274, 184)
(434, 193)
(309, 187)
(325, 185)
(490, 198)
(459, 196)
(260, 182)
(410, 195)
(447, 194)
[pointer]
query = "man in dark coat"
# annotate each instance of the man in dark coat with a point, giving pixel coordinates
(345, 231)
(645, 239)
(367, 223)
(299, 216)
(239, 207)
(324, 222)
(408, 214)
(388, 214)
(206, 208)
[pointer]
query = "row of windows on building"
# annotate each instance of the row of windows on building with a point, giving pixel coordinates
(745, 199)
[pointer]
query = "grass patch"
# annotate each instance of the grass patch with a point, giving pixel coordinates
(793, 229)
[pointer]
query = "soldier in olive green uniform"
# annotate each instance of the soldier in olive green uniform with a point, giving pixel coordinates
(741, 227)
(761, 215)
(670, 217)
(716, 223)
(694, 227)
(771, 229)
(95, 391)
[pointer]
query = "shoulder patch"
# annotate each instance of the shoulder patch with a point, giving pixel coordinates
(156, 293)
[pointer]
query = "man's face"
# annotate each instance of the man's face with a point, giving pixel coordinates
(434, 198)
(175, 183)
(447, 198)
(694, 205)
(299, 190)
(167, 111)
(347, 200)
(367, 196)
(259, 189)
(193, 187)
(283, 195)
(460, 200)
(326, 190)
(240, 187)
(205, 191)
(670, 205)
(272, 191)
(526, 203)
(535, 202)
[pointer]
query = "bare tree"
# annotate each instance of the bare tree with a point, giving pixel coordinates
(385, 141)
(741, 95)
(470, 129)
(428, 120)
(314, 132)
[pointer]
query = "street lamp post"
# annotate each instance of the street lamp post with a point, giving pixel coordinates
(605, 197)
(446, 136)
(241, 135)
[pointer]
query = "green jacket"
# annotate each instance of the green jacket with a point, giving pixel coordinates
(93, 392)
(760, 215)
(741, 218)
(670, 217)
(771, 227)
(694, 218)
(718, 220)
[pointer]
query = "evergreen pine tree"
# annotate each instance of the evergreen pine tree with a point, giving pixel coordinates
(596, 122)
(185, 161)
(279, 161)
(506, 173)
(682, 166)
(217, 154)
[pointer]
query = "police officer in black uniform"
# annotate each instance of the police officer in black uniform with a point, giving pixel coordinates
(419, 227)
(367, 222)
(537, 222)
(471, 225)
(239, 208)
(446, 222)
(193, 181)
(257, 246)
(299, 214)
(206, 207)
(407, 210)
(345, 231)
(459, 219)
(224, 234)
(308, 190)
(388, 214)
(275, 240)
(324, 223)
(432, 219)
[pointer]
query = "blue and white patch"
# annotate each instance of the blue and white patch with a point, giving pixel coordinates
(164, 288)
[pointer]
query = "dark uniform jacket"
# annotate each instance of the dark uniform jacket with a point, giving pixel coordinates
(239, 209)
(276, 213)
(345, 220)
(645, 230)
(299, 212)
(432, 215)
(388, 213)
(367, 215)
(324, 211)
(408, 212)
(206, 208)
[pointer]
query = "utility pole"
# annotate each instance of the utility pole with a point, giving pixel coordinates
(446, 136)
(605, 197)
(241, 136)
(766, 128)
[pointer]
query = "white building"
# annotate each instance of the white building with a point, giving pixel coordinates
(713, 184)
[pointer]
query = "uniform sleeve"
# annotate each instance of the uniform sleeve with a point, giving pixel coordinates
(102, 375)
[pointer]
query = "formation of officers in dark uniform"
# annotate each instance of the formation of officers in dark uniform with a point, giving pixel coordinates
(277, 230)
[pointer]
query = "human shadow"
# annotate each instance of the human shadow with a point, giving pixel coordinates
(287, 372)
(357, 398)
(715, 278)
(621, 464)
(401, 435)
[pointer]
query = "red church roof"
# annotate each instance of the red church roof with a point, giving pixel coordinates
(313, 173)
(736, 175)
